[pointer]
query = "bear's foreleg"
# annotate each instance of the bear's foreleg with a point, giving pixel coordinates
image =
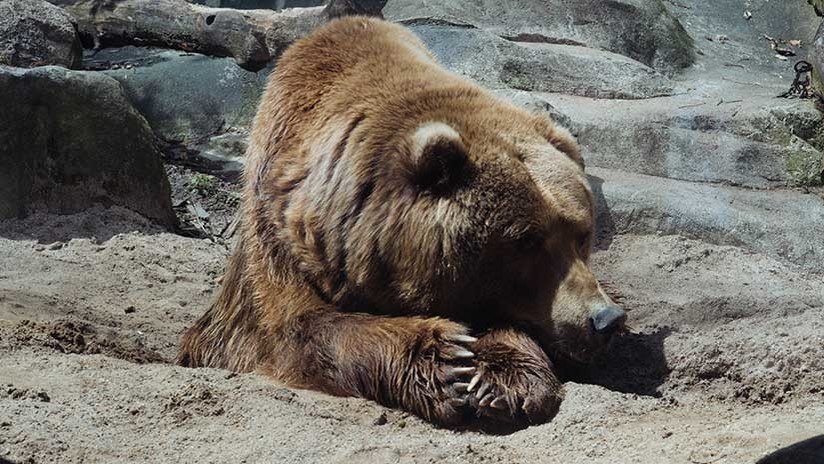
(421, 365)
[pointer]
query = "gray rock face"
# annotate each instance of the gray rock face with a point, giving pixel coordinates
(816, 57)
(259, 4)
(204, 103)
(758, 143)
(70, 139)
(36, 33)
(570, 69)
(185, 97)
(640, 29)
(745, 52)
(781, 224)
(534, 103)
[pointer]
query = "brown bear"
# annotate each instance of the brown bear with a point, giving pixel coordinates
(406, 237)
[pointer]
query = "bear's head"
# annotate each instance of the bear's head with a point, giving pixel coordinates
(476, 210)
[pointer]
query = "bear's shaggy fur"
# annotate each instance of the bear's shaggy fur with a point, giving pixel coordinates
(391, 211)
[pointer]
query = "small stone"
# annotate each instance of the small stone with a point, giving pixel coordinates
(380, 420)
(130, 310)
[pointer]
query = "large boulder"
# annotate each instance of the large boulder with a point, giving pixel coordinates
(69, 140)
(781, 224)
(571, 69)
(186, 97)
(640, 29)
(36, 33)
(201, 103)
(757, 141)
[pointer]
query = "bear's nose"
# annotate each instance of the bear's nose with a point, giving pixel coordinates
(608, 319)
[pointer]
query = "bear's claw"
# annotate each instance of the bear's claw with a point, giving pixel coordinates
(499, 403)
(460, 338)
(439, 375)
(457, 352)
(473, 383)
(463, 370)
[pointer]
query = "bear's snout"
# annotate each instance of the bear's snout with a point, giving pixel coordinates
(608, 319)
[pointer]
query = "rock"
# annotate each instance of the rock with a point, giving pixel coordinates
(69, 140)
(252, 37)
(186, 98)
(818, 5)
(534, 103)
(639, 29)
(227, 151)
(724, 123)
(36, 33)
(199, 104)
(779, 224)
(259, 4)
(758, 142)
(338, 8)
(499, 63)
(816, 57)
(746, 56)
(370, 7)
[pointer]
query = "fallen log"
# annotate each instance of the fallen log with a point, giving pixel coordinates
(252, 37)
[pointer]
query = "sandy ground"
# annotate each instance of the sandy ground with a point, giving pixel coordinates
(724, 363)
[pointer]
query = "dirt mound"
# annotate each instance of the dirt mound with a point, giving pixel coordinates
(79, 337)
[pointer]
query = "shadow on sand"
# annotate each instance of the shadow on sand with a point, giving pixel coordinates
(809, 451)
(634, 364)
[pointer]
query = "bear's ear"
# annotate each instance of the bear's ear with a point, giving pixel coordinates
(560, 138)
(438, 157)
(563, 140)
